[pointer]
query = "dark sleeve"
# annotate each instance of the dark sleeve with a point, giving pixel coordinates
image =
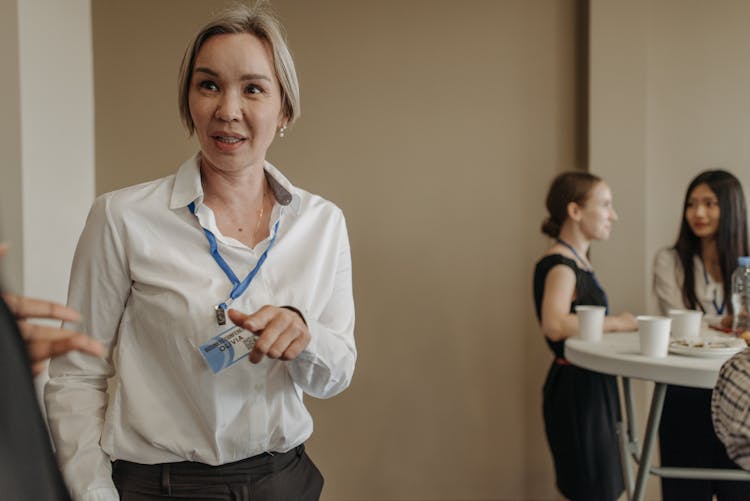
(27, 465)
(540, 276)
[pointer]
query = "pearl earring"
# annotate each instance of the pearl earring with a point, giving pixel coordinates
(282, 131)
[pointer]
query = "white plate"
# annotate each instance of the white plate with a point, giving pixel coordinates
(717, 347)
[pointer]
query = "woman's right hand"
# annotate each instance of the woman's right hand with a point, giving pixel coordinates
(624, 321)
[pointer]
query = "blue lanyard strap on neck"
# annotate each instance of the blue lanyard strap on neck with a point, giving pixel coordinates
(593, 276)
(239, 286)
(719, 310)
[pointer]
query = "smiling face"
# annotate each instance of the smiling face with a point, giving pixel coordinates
(597, 214)
(235, 101)
(702, 211)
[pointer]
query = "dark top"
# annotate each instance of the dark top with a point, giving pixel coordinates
(581, 407)
(28, 470)
(587, 290)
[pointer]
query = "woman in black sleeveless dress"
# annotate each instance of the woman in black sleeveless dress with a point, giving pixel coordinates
(581, 407)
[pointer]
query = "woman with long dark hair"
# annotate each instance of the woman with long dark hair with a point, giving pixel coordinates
(695, 273)
(581, 407)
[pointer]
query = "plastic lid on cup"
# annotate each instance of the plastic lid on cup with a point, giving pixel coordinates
(743, 260)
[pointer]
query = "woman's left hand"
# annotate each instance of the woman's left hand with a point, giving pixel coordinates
(282, 333)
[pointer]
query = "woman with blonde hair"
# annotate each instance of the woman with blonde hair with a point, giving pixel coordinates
(162, 271)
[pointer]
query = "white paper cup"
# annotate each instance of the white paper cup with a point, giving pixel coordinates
(653, 333)
(590, 322)
(686, 324)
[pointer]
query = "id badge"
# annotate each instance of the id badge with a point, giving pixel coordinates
(228, 348)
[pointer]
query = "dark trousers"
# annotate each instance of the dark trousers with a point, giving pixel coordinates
(687, 438)
(267, 477)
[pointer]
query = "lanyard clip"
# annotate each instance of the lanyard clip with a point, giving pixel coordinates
(221, 315)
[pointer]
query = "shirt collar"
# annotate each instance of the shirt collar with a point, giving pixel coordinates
(187, 186)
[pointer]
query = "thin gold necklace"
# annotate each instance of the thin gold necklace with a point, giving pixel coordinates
(262, 209)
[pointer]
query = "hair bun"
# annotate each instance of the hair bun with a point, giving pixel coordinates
(551, 228)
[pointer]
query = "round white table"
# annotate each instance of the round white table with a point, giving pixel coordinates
(618, 354)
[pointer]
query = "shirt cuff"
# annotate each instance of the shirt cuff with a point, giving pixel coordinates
(295, 310)
(101, 494)
(309, 352)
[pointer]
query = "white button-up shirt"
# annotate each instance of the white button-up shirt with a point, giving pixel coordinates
(669, 278)
(146, 286)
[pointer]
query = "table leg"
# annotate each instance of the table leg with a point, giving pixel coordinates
(652, 427)
(632, 427)
(625, 461)
(626, 434)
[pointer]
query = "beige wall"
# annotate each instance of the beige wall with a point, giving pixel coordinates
(45, 141)
(698, 103)
(436, 126)
(668, 99)
(57, 138)
(10, 144)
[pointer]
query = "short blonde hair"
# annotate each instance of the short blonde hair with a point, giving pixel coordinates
(257, 20)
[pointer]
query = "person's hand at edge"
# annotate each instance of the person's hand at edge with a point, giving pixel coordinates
(42, 341)
(282, 332)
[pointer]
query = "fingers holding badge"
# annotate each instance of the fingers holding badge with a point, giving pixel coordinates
(282, 332)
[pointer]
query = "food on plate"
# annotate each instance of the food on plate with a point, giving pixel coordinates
(710, 344)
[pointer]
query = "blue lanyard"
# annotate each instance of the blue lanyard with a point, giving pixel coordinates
(596, 282)
(719, 311)
(239, 286)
